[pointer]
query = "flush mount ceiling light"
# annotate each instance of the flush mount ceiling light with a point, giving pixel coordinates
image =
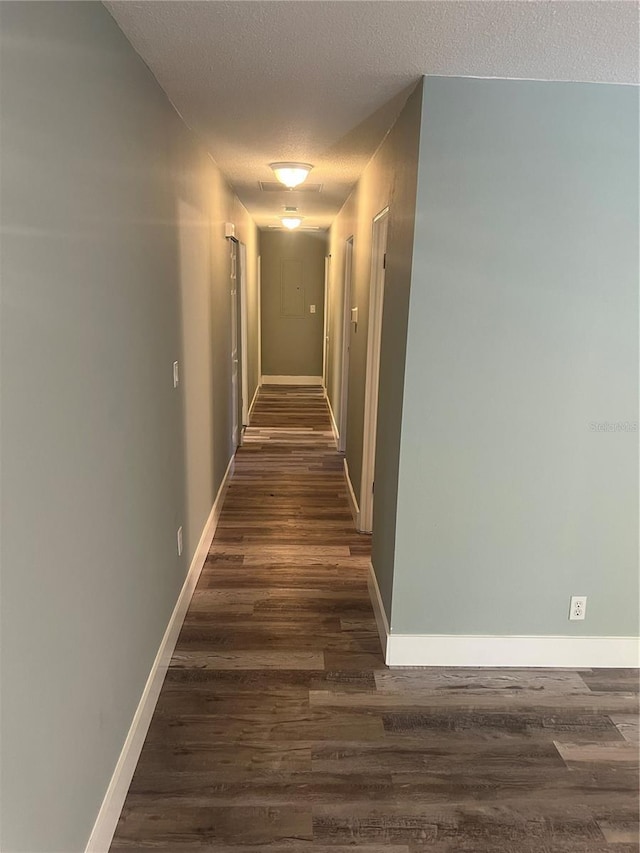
(291, 174)
(291, 222)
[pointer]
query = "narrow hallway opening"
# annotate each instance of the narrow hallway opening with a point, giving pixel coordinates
(281, 609)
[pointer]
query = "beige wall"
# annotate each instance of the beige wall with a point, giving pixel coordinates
(205, 204)
(291, 335)
(390, 180)
(250, 236)
(114, 265)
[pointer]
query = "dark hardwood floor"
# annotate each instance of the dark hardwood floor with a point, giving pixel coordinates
(279, 728)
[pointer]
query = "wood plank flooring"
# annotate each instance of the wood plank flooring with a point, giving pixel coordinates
(280, 729)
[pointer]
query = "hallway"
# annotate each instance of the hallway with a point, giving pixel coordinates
(425, 216)
(279, 727)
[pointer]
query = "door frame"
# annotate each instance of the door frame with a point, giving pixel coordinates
(259, 286)
(237, 362)
(236, 390)
(346, 344)
(325, 322)
(243, 349)
(374, 338)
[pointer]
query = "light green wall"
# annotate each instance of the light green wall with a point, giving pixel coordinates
(523, 332)
(342, 228)
(114, 264)
(292, 345)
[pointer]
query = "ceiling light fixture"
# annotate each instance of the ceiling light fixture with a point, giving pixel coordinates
(291, 222)
(291, 174)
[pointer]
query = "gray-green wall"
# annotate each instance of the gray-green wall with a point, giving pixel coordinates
(113, 265)
(522, 346)
(388, 181)
(292, 338)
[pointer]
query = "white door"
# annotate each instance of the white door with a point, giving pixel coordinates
(376, 299)
(346, 346)
(235, 391)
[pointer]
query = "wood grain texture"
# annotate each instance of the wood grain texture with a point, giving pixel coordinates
(280, 729)
(248, 659)
(628, 726)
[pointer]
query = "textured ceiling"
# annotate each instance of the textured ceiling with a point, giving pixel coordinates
(322, 80)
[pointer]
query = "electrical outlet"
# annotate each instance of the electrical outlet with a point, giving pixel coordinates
(312, 309)
(578, 607)
(176, 374)
(179, 538)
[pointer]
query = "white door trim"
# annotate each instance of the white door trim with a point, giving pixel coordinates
(325, 321)
(259, 318)
(244, 343)
(346, 342)
(236, 389)
(376, 297)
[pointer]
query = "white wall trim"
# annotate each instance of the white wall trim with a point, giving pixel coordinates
(379, 611)
(244, 333)
(497, 651)
(107, 820)
(253, 402)
(259, 318)
(325, 320)
(334, 428)
(347, 304)
(546, 651)
(353, 503)
(291, 380)
(374, 341)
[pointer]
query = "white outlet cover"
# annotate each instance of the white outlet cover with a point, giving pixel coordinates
(312, 309)
(578, 608)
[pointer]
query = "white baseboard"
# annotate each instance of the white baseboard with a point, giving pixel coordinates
(379, 612)
(334, 428)
(545, 651)
(291, 380)
(353, 503)
(499, 651)
(253, 402)
(107, 820)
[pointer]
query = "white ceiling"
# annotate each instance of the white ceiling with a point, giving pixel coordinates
(322, 80)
